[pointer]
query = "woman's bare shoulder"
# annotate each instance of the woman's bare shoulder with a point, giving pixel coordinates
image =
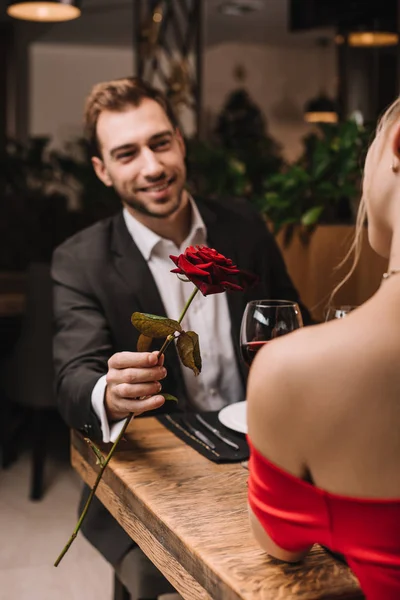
(285, 379)
(290, 360)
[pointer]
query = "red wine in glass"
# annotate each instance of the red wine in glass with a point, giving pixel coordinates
(265, 320)
(250, 350)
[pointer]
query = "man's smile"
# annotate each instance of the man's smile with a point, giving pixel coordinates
(159, 188)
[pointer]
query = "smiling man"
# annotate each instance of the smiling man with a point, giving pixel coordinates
(148, 172)
(121, 265)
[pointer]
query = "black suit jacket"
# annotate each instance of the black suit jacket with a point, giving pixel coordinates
(100, 278)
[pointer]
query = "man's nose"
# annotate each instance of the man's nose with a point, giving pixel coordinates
(151, 167)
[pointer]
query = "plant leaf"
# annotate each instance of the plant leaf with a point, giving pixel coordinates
(99, 457)
(154, 326)
(196, 349)
(189, 351)
(312, 215)
(169, 397)
(143, 343)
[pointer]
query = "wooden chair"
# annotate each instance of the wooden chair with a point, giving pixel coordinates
(27, 375)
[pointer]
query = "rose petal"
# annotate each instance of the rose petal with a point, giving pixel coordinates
(211, 271)
(188, 268)
(228, 285)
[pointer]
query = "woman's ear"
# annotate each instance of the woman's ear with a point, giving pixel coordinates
(101, 171)
(396, 149)
(396, 141)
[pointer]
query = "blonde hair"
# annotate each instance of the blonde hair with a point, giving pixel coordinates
(386, 120)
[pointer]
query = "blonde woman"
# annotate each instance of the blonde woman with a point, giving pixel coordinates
(324, 412)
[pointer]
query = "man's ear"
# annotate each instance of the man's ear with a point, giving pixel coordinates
(181, 141)
(101, 171)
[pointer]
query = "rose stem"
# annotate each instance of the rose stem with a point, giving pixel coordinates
(110, 454)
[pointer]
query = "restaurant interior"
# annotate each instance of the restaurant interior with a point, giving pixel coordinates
(277, 101)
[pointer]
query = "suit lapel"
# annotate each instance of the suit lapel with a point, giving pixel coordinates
(134, 270)
(136, 275)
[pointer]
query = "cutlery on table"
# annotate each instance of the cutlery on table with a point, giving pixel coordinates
(216, 432)
(198, 434)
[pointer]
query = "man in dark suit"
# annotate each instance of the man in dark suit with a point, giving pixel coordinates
(120, 265)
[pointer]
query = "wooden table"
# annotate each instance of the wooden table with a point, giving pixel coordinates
(189, 516)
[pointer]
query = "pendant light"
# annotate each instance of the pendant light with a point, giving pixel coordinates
(44, 11)
(368, 38)
(371, 27)
(321, 109)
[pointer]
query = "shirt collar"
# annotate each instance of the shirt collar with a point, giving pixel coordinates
(146, 240)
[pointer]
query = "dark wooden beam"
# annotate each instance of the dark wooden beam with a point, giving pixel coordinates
(6, 45)
(178, 41)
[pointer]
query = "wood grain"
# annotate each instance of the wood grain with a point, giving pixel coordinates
(189, 516)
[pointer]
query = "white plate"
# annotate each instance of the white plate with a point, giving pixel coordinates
(233, 416)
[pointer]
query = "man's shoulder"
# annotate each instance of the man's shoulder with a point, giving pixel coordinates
(92, 239)
(239, 209)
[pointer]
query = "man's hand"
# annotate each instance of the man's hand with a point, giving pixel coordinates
(133, 384)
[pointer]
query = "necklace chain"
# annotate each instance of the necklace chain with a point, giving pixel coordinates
(390, 273)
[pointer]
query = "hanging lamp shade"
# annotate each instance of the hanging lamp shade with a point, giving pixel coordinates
(374, 28)
(368, 38)
(372, 38)
(321, 110)
(42, 11)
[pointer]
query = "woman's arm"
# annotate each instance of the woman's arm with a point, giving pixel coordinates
(269, 545)
(275, 417)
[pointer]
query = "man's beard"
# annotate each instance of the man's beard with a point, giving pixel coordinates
(140, 207)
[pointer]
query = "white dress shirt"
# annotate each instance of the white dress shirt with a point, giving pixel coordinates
(219, 383)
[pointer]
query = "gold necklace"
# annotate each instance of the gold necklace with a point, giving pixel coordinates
(390, 273)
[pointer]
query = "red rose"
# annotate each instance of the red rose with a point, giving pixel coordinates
(211, 271)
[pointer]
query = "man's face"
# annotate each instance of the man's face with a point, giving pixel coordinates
(142, 158)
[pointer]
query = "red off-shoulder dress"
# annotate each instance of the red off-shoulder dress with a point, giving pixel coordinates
(296, 514)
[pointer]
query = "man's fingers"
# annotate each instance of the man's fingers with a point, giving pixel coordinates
(138, 406)
(117, 376)
(133, 391)
(161, 359)
(127, 360)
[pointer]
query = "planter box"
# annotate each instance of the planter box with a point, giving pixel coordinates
(313, 267)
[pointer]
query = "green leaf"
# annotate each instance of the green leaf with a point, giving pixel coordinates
(312, 215)
(196, 349)
(154, 326)
(169, 397)
(99, 457)
(143, 343)
(189, 351)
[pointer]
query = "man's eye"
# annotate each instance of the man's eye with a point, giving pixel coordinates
(162, 145)
(125, 155)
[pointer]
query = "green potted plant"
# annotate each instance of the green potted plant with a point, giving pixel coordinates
(323, 185)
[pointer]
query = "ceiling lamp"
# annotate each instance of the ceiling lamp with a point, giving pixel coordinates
(368, 39)
(321, 110)
(372, 38)
(38, 10)
(369, 33)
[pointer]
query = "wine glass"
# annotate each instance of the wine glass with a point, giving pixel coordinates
(338, 312)
(265, 320)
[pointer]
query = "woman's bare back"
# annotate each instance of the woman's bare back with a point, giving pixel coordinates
(333, 411)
